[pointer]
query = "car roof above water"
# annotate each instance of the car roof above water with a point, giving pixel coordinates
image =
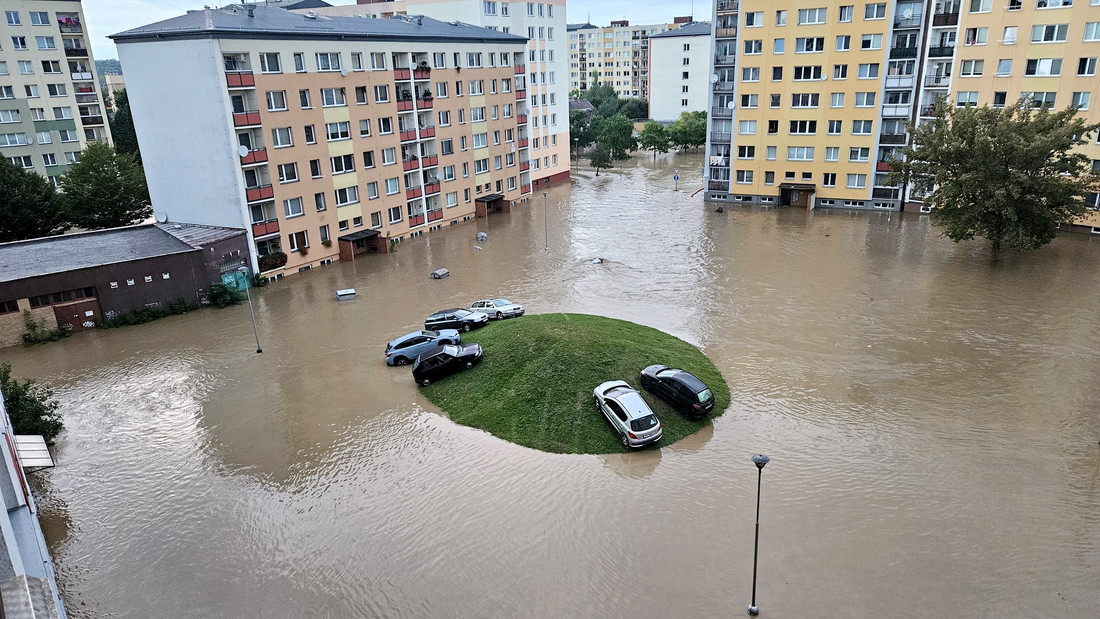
(633, 404)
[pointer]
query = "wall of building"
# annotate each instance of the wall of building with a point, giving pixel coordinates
(670, 92)
(13, 324)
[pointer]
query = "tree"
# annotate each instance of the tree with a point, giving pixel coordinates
(654, 137)
(689, 130)
(603, 98)
(122, 127)
(580, 129)
(600, 157)
(29, 205)
(1009, 175)
(617, 132)
(31, 406)
(634, 108)
(106, 189)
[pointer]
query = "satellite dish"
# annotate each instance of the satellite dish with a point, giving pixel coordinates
(713, 78)
(163, 217)
(242, 150)
(344, 72)
(906, 13)
(730, 105)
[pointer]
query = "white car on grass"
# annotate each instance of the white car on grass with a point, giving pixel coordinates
(628, 413)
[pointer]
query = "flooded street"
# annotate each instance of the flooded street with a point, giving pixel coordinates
(931, 418)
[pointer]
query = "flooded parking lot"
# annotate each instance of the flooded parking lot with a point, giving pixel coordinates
(931, 418)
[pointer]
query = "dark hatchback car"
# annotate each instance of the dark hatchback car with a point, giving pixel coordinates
(681, 390)
(456, 318)
(443, 361)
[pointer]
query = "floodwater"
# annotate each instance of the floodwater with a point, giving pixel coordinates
(931, 418)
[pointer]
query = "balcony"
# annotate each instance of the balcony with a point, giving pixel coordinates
(431, 188)
(429, 161)
(402, 74)
(263, 228)
(522, 143)
(83, 76)
(723, 59)
(941, 51)
(524, 189)
(524, 166)
(435, 215)
(927, 111)
(405, 106)
(76, 52)
(422, 74)
(69, 24)
(894, 111)
(259, 192)
(257, 155)
(521, 119)
(520, 69)
(410, 164)
(725, 6)
(719, 111)
(427, 132)
(945, 19)
(891, 138)
(240, 79)
(416, 220)
(882, 166)
(521, 94)
(899, 81)
(718, 185)
(907, 22)
(903, 52)
(87, 98)
(408, 136)
(248, 118)
(91, 120)
(725, 33)
(423, 104)
(885, 193)
(723, 87)
(937, 81)
(723, 138)
(414, 193)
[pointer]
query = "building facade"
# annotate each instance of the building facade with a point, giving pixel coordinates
(616, 55)
(809, 103)
(679, 71)
(306, 129)
(50, 106)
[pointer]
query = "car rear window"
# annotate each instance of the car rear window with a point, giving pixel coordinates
(642, 424)
(462, 313)
(704, 395)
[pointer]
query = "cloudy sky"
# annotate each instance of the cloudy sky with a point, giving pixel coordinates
(107, 17)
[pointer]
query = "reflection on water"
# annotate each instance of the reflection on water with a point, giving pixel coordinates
(931, 419)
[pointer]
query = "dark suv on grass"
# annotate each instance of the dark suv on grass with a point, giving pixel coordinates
(681, 390)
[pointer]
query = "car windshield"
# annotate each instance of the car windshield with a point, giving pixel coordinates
(643, 423)
(431, 333)
(704, 395)
(501, 302)
(462, 313)
(450, 350)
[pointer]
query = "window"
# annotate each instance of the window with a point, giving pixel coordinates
(56, 90)
(51, 66)
(746, 152)
(328, 61)
(963, 99)
(347, 195)
(832, 153)
(376, 217)
(45, 42)
(1050, 33)
(753, 46)
(1086, 67)
(1037, 99)
(812, 16)
(746, 127)
(750, 74)
(1004, 67)
(43, 137)
(803, 127)
(744, 177)
(448, 173)
(479, 140)
(481, 165)
(807, 73)
(1043, 67)
(754, 19)
(342, 164)
(828, 179)
(13, 18)
(489, 7)
(976, 36)
(385, 125)
(315, 168)
(389, 156)
(441, 90)
(477, 114)
(843, 43)
(777, 74)
(856, 154)
(876, 11)
(1081, 100)
(332, 97)
(857, 181)
(780, 20)
(865, 99)
(299, 62)
(26, 67)
(392, 187)
(868, 71)
(381, 94)
(1009, 37)
(835, 127)
(19, 43)
(973, 68)
(778, 46)
(773, 127)
(269, 63)
(749, 101)
(800, 153)
(292, 207)
(981, 6)
(999, 99)
(1092, 31)
(338, 131)
(806, 45)
(804, 99)
(775, 100)
(288, 172)
(846, 13)
(9, 116)
(871, 41)
(310, 137)
(319, 201)
(13, 139)
(372, 194)
(280, 137)
(31, 90)
(836, 99)
(276, 100)
(303, 99)
(298, 241)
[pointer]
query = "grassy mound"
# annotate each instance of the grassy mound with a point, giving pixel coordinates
(535, 385)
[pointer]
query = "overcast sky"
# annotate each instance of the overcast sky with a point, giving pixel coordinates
(107, 17)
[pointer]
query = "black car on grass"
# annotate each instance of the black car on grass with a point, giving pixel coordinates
(443, 361)
(456, 318)
(681, 390)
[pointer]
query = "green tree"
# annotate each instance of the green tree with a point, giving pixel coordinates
(1008, 175)
(690, 130)
(122, 127)
(600, 157)
(29, 205)
(603, 98)
(617, 132)
(31, 406)
(580, 130)
(655, 137)
(106, 189)
(634, 108)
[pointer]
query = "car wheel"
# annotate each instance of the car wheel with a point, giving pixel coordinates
(425, 382)
(596, 401)
(469, 364)
(647, 384)
(400, 361)
(626, 443)
(500, 315)
(466, 327)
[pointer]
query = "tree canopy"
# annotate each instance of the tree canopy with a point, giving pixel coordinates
(31, 406)
(580, 129)
(122, 127)
(29, 205)
(654, 137)
(1009, 175)
(617, 132)
(690, 130)
(106, 189)
(634, 108)
(600, 156)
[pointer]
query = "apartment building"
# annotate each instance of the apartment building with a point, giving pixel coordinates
(327, 136)
(50, 106)
(809, 102)
(679, 71)
(616, 55)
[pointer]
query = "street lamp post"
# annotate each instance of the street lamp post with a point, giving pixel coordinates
(255, 331)
(545, 225)
(760, 460)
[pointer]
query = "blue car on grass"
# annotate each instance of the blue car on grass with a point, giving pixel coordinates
(407, 348)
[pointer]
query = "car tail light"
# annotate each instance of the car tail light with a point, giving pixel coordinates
(697, 407)
(631, 435)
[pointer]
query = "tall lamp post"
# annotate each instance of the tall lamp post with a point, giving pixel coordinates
(545, 226)
(760, 460)
(255, 331)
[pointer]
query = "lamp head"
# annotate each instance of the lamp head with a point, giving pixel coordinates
(545, 193)
(243, 270)
(760, 460)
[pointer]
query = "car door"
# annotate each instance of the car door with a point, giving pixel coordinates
(665, 389)
(620, 420)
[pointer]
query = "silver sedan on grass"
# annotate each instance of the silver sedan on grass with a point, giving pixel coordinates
(497, 308)
(627, 412)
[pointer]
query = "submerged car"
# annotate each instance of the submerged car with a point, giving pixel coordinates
(683, 391)
(498, 308)
(628, 413)
(456, 318)
(408, 347)
(443, 361)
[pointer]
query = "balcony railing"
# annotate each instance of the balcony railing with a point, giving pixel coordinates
(520, 69)
(721, 111)
(723, 87)
(938, 81)
(721, 137)
(891, 138)
(903, 52)
(882, 166)
(907, 22)
(410, 164)
(416, 220)
(423, 104)
(81, 76)
(431, 188)
(941, 51)
(401, 74)
(945, 19)
(885, 193)
(727, 5)
(725, 33)
(926, 111)
(76, 52)
(896, 110)
(524, 189)
(435, 215)
(262, 228)
(413, 193)
(422, 74)
(259, 192)
(240, 79)
(408, 136)
(718, 185)
(69, 25)
(427, 132)
(521, 94)
(899, 81)
(524, 166)
(429, 161)
(724, 59)
(405, 106)
(87, 98)
(256, 155)
(91, 120)
(521, 119)
(522, 143)
(246, 119)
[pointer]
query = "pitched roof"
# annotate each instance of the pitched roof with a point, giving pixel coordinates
(583, 105)
(694, 29)
(584, 26)
(234, 21)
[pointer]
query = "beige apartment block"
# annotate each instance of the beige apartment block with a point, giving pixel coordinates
(326, 136)
(616, 55)
(50, 105)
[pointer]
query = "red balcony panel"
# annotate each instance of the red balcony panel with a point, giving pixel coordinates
(424, 104)
(422, 74)
(413, 193)
(523, 167)
(427, 133)
(270, 226)
(520, 69)
(258, 155)
(409, 165)
(525, 189)
(883, 166)
(416, 220)
(521, 119)
(245, 119)
(240, 79)
(263, 192)
(400, 74)
(523, 143)
(428, 162)
(408, 136)
(435, 215)
(404, 106)
(431, 188)
(521, 94)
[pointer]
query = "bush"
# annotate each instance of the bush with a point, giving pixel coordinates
(146, 314)
(37, 332)
(31, 406)
(223, 296)
(273, 260)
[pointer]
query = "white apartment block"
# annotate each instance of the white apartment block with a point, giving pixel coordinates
(679, 71)
(50, 106)
(615, 55)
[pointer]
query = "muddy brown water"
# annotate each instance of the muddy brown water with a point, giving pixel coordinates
(931, 418)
